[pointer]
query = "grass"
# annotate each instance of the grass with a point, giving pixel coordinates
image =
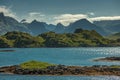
(115, 66)
(35, 65)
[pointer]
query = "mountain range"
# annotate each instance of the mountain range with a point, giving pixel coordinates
(114, 36)
(35, 27)
(10, 24)
(110, 26)
(85, 24)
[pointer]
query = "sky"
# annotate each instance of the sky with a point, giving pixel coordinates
(61, 11)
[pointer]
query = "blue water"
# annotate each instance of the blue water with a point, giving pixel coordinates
(66, 56)
(23, 77)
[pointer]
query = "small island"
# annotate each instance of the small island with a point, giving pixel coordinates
(108, 59)
(43, 68)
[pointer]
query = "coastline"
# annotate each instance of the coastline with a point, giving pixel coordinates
(95, 70)
(61, 70)
(108, 59)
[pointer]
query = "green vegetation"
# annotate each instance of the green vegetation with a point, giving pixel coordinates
(5, 43)
(35, 65)
(21, 39)
(115, 66)
(115, 39)
(80, 38)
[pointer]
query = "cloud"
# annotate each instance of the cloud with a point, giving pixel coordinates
(91, 13)
(32, 14)
(105, 18)
(66, 19)
(35, 16)
(7, 11)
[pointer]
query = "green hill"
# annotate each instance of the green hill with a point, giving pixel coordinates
(80, 38)
(21, 39)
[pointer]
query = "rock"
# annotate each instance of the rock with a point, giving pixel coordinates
(64, 70)
(108, 59)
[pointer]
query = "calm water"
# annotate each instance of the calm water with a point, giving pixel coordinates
(66, 56)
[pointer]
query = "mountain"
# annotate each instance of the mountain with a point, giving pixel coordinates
(59, 28)
(114, 36)
(37, 27)
(85, 24)
(50, 27)
(111, 26)
(10, 24)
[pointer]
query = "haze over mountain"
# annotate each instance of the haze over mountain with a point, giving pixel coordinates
(85, 24)
(112, 26)
(114, 36)
(60, 28)
(37, 27)
(60, 16)
(10, 24)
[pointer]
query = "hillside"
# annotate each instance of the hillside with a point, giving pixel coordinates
(112, 26)
(80, 38)
(114, 36)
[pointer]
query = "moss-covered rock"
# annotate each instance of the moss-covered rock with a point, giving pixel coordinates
(35, 65)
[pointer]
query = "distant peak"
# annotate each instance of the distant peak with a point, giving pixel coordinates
(59, 24)
(51, 25)
(34, 21)
(83, 19)
(80, 21)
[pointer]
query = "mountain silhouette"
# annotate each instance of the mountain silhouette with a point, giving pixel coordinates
(111, 26)
(60, 28)
(10, 24)
(35, 27)
(84, 24)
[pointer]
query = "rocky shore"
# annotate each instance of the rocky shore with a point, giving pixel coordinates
(108, 59)
(64, 70)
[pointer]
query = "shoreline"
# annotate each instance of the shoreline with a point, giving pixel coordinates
(108, 59)
(59, 75)
(64, 47)
(61, 70)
